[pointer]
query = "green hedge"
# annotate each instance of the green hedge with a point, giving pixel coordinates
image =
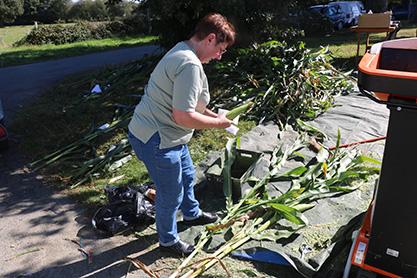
(68, 33)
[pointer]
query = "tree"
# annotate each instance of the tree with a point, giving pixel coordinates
(122, 9)
(30, 13)
(52, 10)
(255, 20)
(88, 10)
(10, 10)
(377, 6)
(98, 10)
(58, 10)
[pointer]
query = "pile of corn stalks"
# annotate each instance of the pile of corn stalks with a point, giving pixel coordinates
(261, 217)
(286, 82)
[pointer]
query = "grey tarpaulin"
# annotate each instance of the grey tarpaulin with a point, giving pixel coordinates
(358, 118)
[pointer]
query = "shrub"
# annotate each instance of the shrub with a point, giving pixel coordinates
(68, 33)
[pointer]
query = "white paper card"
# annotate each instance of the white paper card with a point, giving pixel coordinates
(233, 129)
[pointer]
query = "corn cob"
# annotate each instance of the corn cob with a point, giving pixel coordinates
(239, 110)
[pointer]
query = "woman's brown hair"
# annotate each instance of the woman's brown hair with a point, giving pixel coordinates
(217, 24)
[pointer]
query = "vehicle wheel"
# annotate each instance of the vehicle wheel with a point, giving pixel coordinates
(339, 26)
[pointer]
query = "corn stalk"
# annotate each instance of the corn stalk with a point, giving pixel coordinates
(330, 175)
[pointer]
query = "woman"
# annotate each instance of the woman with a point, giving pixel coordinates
(174, 104)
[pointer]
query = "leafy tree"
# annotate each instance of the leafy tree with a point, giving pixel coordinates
(377, 6)
(46, 11)
(50, 11)
(122, 10)
(30, 14)
(58, 10)
(413, 10)
(88, 10)
(255, 20)
(174, 20)
(10, 10)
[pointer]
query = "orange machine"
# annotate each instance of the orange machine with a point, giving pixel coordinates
(387, 242)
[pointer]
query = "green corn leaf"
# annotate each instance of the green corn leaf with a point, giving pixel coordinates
(289, 213)
(276, 153)
(292, 194)
(364, 158)
(313, 172)
(312, 194)
(249, 171)
(338, 141)
(348, 175)
(366, 170)
(230, 155)
(311, 129)
(345, 162)
(304, 207)
(252, 179)
(296, 172)
(344, 189)
(252, 201)
(297, 155)
(293, 173)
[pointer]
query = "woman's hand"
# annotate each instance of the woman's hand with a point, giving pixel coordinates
(223, 121)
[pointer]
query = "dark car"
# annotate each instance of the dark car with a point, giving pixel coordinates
(3, 131)
(341, 13)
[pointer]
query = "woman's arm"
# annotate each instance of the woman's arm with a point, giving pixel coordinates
(210, 113)
(199, 121)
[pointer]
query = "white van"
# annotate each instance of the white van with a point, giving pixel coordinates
(341, 13)
(350, 11)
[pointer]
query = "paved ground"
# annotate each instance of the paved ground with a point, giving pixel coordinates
(37, 224)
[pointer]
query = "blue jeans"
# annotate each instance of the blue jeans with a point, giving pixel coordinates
(173, 173)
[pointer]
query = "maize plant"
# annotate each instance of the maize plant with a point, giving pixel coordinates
(285, 82)
(332, 173)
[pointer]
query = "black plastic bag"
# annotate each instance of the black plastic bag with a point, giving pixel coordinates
(127, 208)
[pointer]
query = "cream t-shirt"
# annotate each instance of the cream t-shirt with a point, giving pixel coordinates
(178, 81)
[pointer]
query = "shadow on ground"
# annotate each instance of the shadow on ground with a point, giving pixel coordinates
(43, 231)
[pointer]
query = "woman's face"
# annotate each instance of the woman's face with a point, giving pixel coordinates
(213, 50)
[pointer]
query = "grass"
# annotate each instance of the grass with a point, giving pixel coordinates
(11, 34)
(11, 55)
(343, 44)
(30, 54)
